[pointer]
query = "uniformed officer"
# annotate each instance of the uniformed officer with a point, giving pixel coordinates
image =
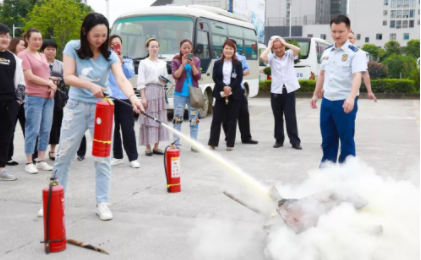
(243, 115)
(342, 67)
(366, 76)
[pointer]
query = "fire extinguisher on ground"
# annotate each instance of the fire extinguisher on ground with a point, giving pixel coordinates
(54, 218)
(172, 168)
(103, 128)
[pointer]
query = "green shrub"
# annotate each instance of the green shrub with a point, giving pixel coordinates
(390, 86)
(377, 70)
(267, 71)
(399, 65)
(415, 76)
(377, 85)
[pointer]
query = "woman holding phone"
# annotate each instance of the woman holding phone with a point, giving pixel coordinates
(186, 72)
(151, 87)
(123, 114)
(227, 75)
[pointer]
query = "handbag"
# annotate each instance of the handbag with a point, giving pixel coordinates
(196, 97)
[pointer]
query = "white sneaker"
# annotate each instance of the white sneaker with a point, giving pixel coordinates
(115, 161)
(44, 166)
(103, 211)
(7, 176)
(40, 212)
(30, 168)
(135, 164)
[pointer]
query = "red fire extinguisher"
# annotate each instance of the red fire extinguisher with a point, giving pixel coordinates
(103, 128)
(54, 218)
(172, 168)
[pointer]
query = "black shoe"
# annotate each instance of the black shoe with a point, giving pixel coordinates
(12, 163)
(297, 146)
(277, 145)
(52, 158)
(251, 141)
(80, 158)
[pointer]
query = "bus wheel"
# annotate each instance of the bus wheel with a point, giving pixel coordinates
(203, 112)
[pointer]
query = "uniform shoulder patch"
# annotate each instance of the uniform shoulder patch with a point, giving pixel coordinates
(353, 48)
(328, 47)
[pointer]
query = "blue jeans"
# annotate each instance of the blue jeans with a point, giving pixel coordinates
(39, 119)
(78, 117)
(337, 125)
(179, 106)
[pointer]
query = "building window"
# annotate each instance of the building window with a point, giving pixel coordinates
(400, 3)
(411, 3)
(394, 3)
(386, 2)
(367, 39)
(323, 36)
(406, 36)
(309, 35)
(412, 13)
(385, 12)
(379, 36)
(405, 24)
(411, 23)
(393, 36)
(359, 35)
(393, 14)
(399, 14)
(398, 24)
(405, 14)
(418, 22)
(392, 23)
(384, 23)
(405, 3)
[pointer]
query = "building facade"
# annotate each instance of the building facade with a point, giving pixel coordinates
(380, 21)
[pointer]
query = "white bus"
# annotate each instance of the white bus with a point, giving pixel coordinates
(207, 27)
(311, 50)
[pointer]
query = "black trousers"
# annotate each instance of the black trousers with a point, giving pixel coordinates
(284, 104)
(82, 147)
(8, 112)
(56, 127)
(22, 120)
(243, 120)
(229, 113)
(124, 118)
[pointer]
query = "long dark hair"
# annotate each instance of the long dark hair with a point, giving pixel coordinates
(232, 45)
(179, 56)
(28, 34)
(13, 44)
(90, 21)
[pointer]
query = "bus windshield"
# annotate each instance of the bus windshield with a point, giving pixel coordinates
(304, 45)
(168, 30)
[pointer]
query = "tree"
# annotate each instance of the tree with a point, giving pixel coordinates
(14, 11)
(392, 47)
(58, 19)
(413, 48)
(381, 55)
(372, 49)
(400, 66)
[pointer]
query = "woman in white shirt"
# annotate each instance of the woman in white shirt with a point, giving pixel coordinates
(153, 99)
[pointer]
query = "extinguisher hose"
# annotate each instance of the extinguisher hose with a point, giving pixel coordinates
(127, 104)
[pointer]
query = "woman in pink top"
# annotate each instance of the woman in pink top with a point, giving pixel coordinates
(39, 103)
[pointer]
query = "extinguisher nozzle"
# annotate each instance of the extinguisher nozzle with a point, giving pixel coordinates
(151, 117)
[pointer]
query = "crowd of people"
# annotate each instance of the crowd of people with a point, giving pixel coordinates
(33, 91)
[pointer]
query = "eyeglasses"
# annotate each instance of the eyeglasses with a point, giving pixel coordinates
(4, 37)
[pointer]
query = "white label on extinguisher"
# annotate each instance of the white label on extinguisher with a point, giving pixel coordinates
(175, 167)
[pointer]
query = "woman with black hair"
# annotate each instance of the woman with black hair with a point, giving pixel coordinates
(227, 75)
(86, 65)
(49, 48)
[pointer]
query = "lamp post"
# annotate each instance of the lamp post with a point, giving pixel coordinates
(290, 13)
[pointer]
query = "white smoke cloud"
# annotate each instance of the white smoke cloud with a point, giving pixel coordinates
(387, 228)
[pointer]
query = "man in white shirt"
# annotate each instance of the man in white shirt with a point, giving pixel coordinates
(284, 85)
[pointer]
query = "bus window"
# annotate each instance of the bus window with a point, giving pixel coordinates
(235, 31)
(249, 34)
(240, 45)
(320, 47)
(202, 45)
(219, 28)
(251, 50)
(218, 42)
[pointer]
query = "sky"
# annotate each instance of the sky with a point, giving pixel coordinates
(117, 7)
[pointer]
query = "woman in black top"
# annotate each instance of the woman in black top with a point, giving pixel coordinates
(227, 75)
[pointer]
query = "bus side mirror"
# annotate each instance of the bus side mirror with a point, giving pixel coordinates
(169, 68)
(199, 49)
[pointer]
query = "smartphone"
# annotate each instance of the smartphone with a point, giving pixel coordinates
(165, 79)
(117, 49)
(190, 56)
